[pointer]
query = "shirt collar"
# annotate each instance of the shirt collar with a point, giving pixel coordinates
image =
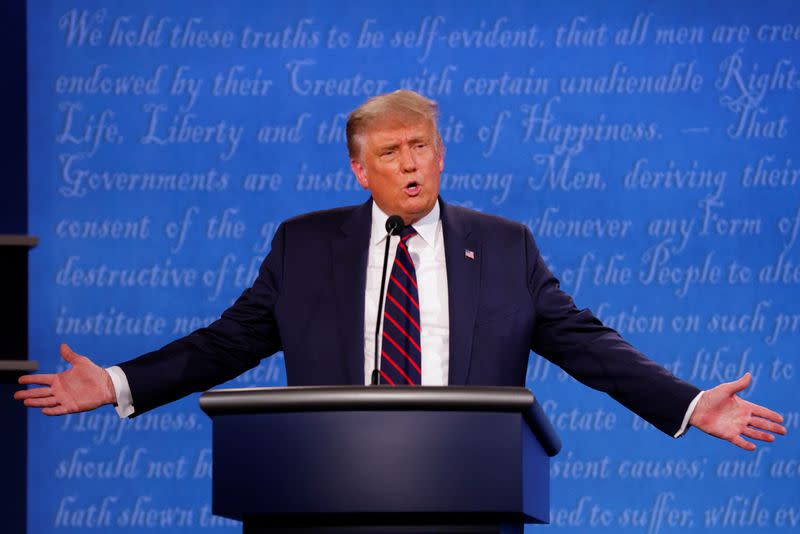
(425, 227)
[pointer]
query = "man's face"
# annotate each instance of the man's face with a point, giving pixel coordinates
(400, 163)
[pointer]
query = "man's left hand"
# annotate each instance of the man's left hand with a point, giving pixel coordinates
(722, 413)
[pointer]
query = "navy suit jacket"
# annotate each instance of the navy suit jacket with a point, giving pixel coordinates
(308, 301)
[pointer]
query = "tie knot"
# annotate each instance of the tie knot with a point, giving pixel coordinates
(407, 232)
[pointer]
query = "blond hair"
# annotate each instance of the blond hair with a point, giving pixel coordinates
(400, 104)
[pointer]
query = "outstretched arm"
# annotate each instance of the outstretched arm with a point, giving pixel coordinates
(723, 414)
(85, 386)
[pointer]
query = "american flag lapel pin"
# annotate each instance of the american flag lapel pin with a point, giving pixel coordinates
(469, 254)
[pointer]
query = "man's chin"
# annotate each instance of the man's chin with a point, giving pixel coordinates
(414, 211)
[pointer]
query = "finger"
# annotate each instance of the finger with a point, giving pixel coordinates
(56, 410)
(67, 353)
(757, 434)
(41, 403)
(45, 379)
(764, 424)
(743, 443)
(32, 393)
(738, 385)
(766, 413)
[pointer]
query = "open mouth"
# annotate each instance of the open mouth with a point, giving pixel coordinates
(412, 189)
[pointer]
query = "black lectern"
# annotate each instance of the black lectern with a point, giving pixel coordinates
(379, 459)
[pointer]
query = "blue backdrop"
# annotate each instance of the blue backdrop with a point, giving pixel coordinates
(650, 147)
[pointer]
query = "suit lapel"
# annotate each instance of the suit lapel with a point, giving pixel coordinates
(349, 253)
(463, 285)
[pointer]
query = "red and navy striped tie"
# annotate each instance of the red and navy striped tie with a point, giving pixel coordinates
(401, 357)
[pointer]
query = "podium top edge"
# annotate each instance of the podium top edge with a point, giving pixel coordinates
(222, 402)
(322, 398)
(353, 398)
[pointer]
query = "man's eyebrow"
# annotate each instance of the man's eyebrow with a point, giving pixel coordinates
(393, 145)
(388, 146)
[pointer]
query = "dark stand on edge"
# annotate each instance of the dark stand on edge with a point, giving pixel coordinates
(380, 460)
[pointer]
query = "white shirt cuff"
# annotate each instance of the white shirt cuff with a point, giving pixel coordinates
(124, 406)
(689, 411)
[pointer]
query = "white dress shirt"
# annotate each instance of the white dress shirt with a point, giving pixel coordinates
(427, 252)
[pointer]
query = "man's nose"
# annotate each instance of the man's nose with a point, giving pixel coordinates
(407, 161)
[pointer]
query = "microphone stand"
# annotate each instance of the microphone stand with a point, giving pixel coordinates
(393, 224)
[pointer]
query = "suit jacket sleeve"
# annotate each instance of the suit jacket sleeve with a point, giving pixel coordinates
(244, 334)
(597, 356)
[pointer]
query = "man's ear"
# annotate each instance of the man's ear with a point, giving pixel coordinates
(360, 172)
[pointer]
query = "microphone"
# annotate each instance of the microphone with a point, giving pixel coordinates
(393, 226)
(394, 223)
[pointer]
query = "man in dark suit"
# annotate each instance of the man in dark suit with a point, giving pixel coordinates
(476, 298)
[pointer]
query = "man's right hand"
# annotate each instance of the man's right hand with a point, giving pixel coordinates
(84, 387)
